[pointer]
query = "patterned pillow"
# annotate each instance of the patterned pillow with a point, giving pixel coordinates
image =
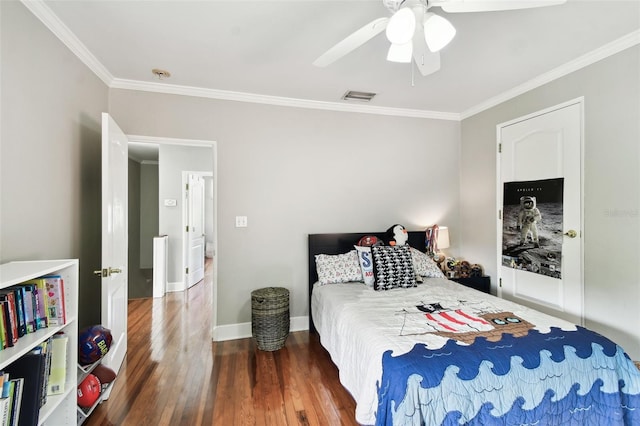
(393, 267)
(424, 265)
(340, 268)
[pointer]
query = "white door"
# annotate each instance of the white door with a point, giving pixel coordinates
(195, 229)
(546, 145)
(114, 239)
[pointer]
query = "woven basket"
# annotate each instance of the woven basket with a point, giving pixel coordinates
(270, 317)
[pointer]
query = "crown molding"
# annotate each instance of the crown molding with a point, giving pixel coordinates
(57, 27)
(68, 38)
(583, 61)
(276, 100)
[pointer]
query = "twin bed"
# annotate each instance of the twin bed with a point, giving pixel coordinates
(440, 353)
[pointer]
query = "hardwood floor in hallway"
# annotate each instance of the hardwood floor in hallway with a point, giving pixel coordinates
(175, 375)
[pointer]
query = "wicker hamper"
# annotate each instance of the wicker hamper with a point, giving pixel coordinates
(270, 317)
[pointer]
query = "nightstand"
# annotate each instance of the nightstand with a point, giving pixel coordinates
(479, 283)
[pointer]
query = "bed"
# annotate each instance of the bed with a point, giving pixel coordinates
(440, 353)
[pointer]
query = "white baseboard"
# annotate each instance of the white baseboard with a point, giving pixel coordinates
(243, 330)
(175, 286)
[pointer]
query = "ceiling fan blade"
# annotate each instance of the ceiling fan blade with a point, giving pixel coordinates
(459, 6)
(352, 42)
(427, 61)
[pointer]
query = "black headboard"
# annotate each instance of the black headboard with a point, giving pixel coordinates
(342, 243)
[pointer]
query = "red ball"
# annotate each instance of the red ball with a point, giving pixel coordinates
(368, 241)
(88, 391)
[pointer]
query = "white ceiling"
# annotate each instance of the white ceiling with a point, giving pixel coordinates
(266, 48)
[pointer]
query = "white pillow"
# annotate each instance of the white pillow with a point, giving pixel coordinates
(339, 268)
(366, 264)
(424, 265)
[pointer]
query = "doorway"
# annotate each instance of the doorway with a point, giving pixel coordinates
(174, 157)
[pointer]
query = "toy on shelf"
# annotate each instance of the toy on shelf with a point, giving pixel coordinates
(93, 343)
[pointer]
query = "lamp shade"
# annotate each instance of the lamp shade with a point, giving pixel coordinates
(400, 52)
(401, 26)
(443, 237)
(438, 31)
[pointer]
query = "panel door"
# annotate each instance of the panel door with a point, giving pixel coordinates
(114, 239)
(545, 146)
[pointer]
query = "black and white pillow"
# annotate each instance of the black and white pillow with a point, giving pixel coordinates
(393, 267)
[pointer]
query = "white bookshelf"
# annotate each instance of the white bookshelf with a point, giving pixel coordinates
(59, 410)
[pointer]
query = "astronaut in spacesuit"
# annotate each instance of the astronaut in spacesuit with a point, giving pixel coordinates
(528, 216)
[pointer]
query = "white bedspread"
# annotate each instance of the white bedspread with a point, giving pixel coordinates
(357, 325)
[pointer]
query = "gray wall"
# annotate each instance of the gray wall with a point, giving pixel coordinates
(298, 171)
(173, 160)
(611, 89)
(135, 282)
(149, 213)
(49, 152)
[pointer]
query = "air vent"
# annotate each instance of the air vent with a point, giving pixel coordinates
(352, 95)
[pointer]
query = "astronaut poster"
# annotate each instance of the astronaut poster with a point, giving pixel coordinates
(532, 226)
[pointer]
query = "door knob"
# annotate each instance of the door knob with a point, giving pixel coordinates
(571, 233)
(102, 272)
(106, 272)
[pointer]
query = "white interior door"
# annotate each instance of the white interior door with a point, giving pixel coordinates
(546, 145)
(114, 239)
(195, 229)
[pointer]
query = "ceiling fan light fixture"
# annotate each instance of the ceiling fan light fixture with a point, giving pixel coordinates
(402, 53)
(438, 32)
(401, 26)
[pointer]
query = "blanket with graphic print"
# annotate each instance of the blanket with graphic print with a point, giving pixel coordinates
(443, 354)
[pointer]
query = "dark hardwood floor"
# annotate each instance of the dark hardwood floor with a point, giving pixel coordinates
(175, 375)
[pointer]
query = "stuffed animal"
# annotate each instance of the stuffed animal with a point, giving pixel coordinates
(528, 216)
(397, 235)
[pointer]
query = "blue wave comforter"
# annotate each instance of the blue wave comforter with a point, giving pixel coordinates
(443, 354)
(558, 378)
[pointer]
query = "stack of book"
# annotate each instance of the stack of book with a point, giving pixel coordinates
(28, 381)
(30, 306)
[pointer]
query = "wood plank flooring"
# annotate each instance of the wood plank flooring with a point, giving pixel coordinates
(175, 375)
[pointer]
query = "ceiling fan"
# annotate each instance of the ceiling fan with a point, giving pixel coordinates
(416, 33)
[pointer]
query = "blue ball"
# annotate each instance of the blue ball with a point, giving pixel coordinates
(93, 343)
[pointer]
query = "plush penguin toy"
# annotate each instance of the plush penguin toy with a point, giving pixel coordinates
(396, 236)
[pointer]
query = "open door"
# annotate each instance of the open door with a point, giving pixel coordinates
(114, 239)
(195, 232)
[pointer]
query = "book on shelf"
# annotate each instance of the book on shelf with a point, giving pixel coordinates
(44, 349)
(10, 389)
(17, 389)
(30, 367)
(58, 370)
(40, 290)
(18, 294)
(3, 328)
(5, 411)
(7, 300)
(4, 399)
(55, 299)
(30, 307)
